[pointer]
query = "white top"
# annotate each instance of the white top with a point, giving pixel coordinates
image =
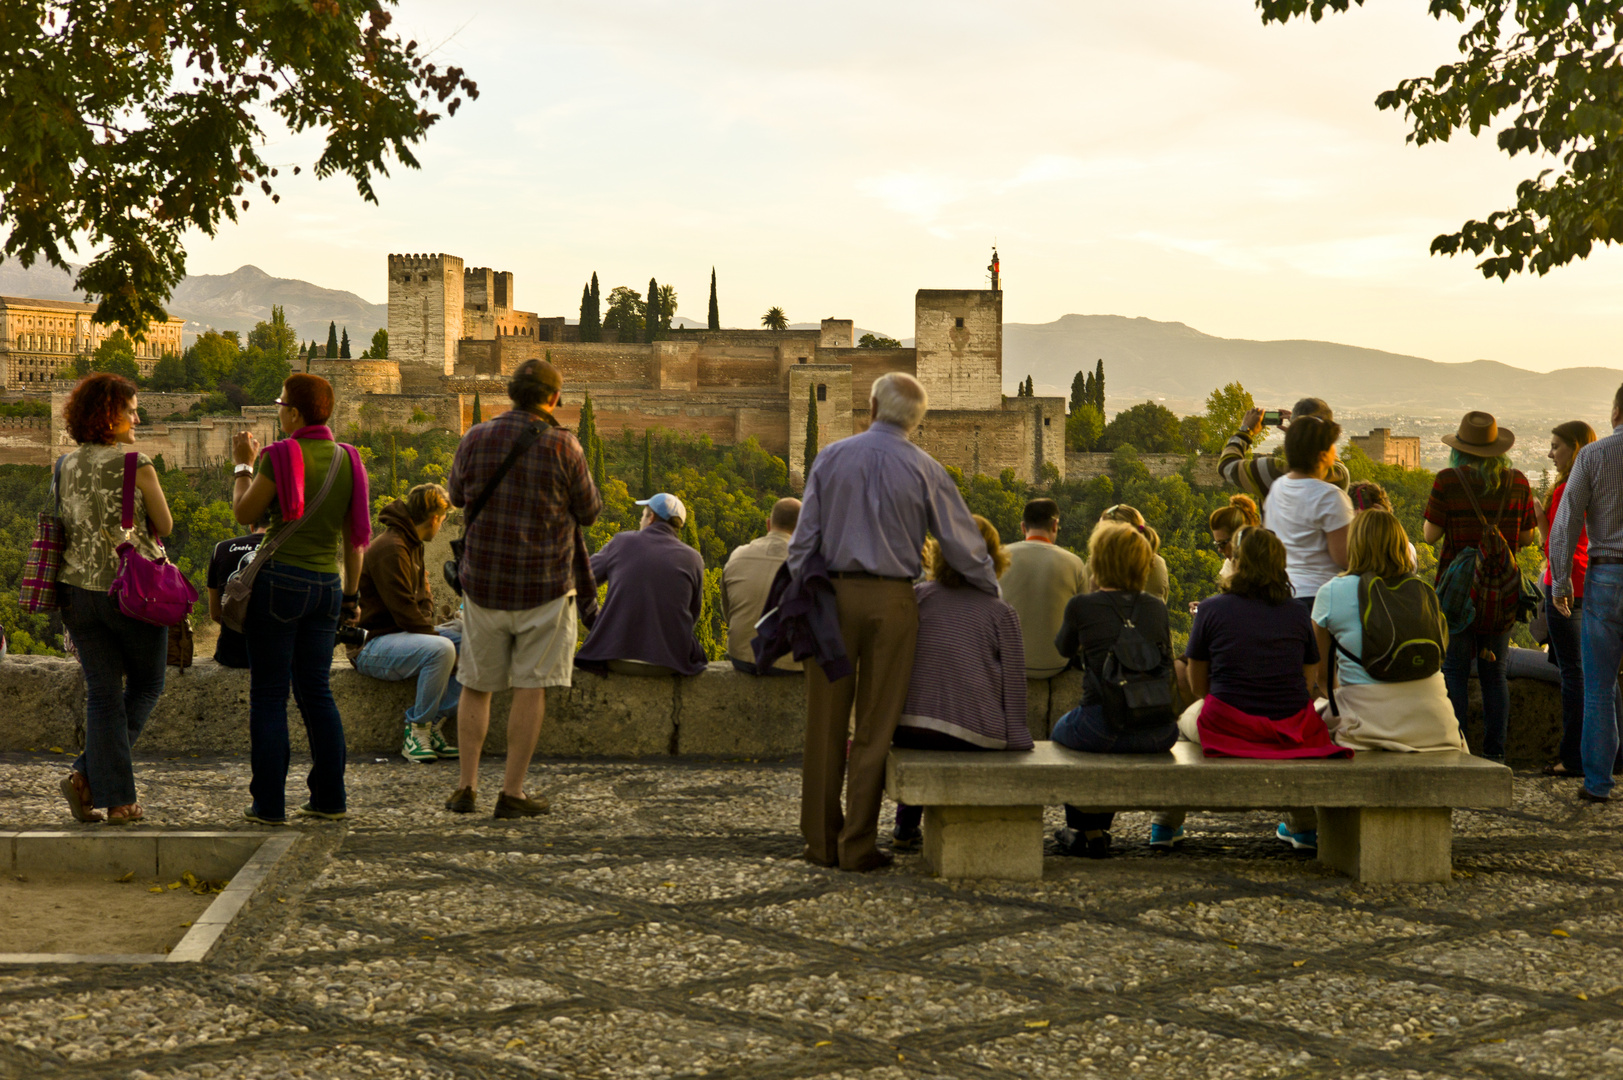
(1301, 513)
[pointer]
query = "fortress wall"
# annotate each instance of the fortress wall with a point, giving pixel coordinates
(728, 418)
(833, 410)
(960, 365)
(406, 412)
(359, 376)
(673, 365)
(866, 366)
(425, 311)
(978, 442)
(738, 366)
(25, 440)
(794, 342)
(593, 364)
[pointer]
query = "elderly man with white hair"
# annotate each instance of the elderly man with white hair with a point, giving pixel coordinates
(868, 503)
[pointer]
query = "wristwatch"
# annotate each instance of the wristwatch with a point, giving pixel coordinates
(243, 470)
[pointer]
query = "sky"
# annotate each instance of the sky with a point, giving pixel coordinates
(1173, 159)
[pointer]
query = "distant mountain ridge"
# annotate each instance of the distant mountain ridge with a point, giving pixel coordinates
(1149, 360)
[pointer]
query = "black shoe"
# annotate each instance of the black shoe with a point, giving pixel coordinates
(1585, 795)
(309, 810)
(509, 806)
(462, 801)
(1071, 842)
(257, 818)
(877, 861)
(911, 840)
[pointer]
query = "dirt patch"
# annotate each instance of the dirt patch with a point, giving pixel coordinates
(93, 913)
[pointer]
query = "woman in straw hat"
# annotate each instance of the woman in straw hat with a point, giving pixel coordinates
(1480, 485)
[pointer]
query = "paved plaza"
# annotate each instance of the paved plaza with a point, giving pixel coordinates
(660, 923)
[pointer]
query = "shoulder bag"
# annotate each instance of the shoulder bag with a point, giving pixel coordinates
(453, 566)
(44, 563)
(151, 590)
(240, 585)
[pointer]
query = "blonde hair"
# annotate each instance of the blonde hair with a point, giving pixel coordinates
(427, 501)
(935, 561)
(1128, 515)
(1119, 556)
(1240, 512)
(1377, 544)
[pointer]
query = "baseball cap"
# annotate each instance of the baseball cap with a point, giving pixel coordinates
(666, 506)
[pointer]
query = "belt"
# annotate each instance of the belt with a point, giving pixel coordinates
(863, 575)
(1606, 560)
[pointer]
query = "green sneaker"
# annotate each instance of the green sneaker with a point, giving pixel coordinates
(415, 747)
(441, 748)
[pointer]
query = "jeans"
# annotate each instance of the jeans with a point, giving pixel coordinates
(1462, 652)
(290, 626)
(1602, 650)
(430, 657)
(1085, 728)
(124, 666)
(1566, 644)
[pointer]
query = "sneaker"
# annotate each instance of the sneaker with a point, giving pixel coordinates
(461, 801)
(911, 840)
(1301, 841)
(309, 810)
(416, 747)
(507, 806)
(253, 815)
(1166, 837)
(441, 748)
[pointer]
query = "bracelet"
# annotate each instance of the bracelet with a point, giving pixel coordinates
(243, 470)
(352, 598)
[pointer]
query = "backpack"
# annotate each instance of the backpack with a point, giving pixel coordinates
(1135, 685)
(1496, 580)
(1403, 629)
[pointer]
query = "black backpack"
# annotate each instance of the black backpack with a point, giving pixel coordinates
(1403, 629)
(1135, 685)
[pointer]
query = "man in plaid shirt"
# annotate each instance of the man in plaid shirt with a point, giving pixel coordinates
(519, 573)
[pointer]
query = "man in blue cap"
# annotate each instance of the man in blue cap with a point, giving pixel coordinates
(656, 589)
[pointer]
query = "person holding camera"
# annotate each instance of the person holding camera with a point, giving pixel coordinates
(1255, 476)
(395, 637)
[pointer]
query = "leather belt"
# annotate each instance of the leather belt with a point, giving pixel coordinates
(863, 575)
(1606, 560)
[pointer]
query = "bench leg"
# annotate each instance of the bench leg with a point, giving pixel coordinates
(1004, 842)
(1385, 845)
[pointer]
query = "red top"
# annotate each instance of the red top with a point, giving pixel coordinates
(1227, 732)
(1580, 555)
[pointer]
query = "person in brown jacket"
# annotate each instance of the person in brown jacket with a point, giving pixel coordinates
(397, 618)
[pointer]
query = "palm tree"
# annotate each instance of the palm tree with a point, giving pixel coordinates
(775, 319)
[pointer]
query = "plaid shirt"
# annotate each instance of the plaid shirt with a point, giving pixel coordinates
(520, 552)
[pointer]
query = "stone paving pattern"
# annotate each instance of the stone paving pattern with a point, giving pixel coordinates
(659, 923)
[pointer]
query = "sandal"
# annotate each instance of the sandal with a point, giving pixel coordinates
(76, 789)
(125, 815)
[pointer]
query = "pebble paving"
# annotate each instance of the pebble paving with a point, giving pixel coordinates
(660, 923)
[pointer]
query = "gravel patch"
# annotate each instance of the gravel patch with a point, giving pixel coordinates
(686, 881)
(101, 1025)
(1593, 1050)
(879, 1005)
(1544, 962)
(315, 1063)
(868, 920)
(1105, 959)
(1377, 1013)
(1284, 922)
(457, 908)
(653, 954)
(1113, 1047)
(395, 990)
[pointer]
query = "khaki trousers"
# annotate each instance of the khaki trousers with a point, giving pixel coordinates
(879, 621)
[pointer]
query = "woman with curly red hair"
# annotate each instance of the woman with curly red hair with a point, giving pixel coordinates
(122, 658)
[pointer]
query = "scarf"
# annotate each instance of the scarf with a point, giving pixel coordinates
(287, 460)
(1227, 732)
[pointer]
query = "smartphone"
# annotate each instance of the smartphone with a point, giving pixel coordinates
(1274, 417)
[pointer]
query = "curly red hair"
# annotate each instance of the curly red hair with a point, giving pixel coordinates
(95, 403)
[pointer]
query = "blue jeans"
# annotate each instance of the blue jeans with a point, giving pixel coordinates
(290, 626)
(1602, 650)
(123, 661)
(430, 657)
(1462, 652)
(1085, 728)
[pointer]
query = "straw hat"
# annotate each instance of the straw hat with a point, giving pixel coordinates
(1481, 436)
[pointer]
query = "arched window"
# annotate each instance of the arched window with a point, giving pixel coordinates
(822, 391)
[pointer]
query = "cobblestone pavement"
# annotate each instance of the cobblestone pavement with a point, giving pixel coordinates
(659, 923)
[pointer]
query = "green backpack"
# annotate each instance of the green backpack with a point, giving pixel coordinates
(1404, 639)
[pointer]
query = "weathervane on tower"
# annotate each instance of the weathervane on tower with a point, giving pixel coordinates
(997, 279)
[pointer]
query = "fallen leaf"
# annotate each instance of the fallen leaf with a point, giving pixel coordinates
(184, 925)
(428, 937)
(1583, 996)
(56, 749)
(514, 1043)
(1493, 1040)
(825, 1042)
(1036, 1023)
(126, 878)
(78, 1016)
(156, 889)
(174, 885)
(667, 884)
(1297, 963)
(1560, 933)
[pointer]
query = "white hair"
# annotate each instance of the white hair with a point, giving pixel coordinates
(900, 398)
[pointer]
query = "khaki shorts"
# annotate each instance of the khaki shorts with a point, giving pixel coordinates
(526, 649)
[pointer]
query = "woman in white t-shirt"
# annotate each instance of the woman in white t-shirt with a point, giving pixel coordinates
(1369, 714)
(1309, 515)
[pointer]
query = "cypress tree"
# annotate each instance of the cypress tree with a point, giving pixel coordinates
(690, 531)
(585, 312)
(332, 341)
(587, 433)
(1031, 391)
(647, 463)
(477, 416)
(597, 459)
(343, 345)
(597, 310)
(1081, 394)
(715, 312)
(1099, 386)
(651, 319)
(811, 433)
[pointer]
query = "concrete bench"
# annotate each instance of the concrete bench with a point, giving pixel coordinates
(1383, 816)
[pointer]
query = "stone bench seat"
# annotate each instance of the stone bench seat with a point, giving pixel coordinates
(1383, 816)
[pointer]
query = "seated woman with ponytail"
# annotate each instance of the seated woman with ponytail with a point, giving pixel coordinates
(1371, 710)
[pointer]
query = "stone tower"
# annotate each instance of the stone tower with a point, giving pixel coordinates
(959, 336)
(425, 311)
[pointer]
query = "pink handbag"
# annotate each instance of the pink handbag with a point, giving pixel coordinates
(154, 592)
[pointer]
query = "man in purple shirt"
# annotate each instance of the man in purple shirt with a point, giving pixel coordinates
(868, 503)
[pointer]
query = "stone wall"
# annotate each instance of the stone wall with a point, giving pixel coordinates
(959, 335)
(425, 311)
(204, 710)
(354, 377)
(25, 440)
(595, 364)
(866, 366)
(833, 410)
(1088, 466)
(979, 442)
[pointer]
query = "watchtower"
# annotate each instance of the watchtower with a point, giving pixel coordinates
(959, 335)
(425, 311)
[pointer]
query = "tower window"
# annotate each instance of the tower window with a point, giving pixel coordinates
(1046, 421)
(802, 360)
(960, 323)
(822, 391)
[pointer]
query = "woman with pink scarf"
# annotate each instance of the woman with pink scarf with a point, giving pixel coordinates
(297, 599)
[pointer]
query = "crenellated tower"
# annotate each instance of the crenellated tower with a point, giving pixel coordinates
(425, 311)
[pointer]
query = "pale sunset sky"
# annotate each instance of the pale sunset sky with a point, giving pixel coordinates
(1173, 159)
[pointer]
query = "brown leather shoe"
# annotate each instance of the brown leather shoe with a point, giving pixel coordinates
(462, 801)
(877, 861)
(815, 861)
(509, 806)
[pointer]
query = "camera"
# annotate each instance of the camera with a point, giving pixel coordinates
(1274, 417)
(351, 635)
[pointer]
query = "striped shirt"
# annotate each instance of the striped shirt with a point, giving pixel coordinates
(1255, 475)
(969, 669)
(1593, 499)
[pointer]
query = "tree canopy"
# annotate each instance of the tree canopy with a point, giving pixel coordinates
(1556, 67)
(1148, 428)
(126, 125)
(775, 319)
(877, 341)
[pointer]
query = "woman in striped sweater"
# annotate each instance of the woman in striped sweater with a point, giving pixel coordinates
(968, 688)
